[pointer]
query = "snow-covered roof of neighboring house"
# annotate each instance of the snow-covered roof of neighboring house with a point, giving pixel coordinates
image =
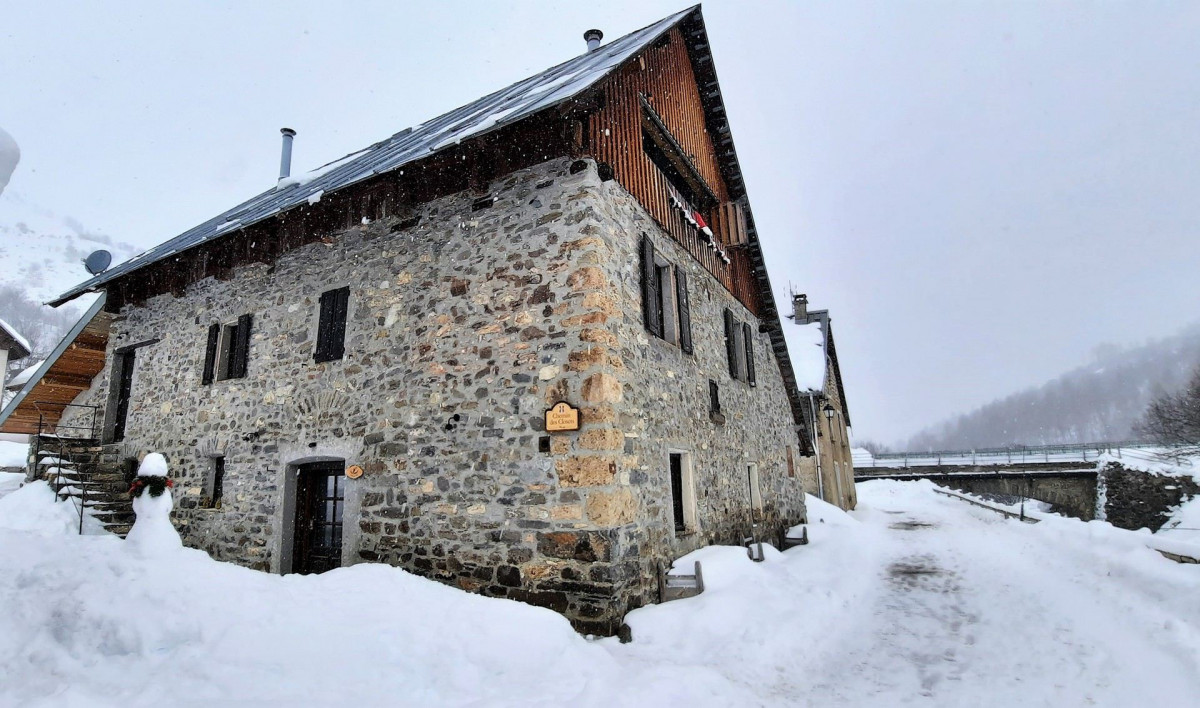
(22, 378)
(509, 105)
(23, 348)
(806, 344)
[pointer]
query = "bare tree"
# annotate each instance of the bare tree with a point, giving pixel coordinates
(41, 326)
(873, 447)
(1174, 418)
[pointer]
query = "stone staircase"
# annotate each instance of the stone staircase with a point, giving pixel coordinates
(88, 475)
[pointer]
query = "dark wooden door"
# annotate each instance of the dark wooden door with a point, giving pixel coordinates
(124, 389)
(677, 491)
(320, 496)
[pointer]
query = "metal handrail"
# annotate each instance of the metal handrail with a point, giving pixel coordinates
(43, 436)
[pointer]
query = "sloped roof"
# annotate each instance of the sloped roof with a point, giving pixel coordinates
(806, 344)
(21, 345)
(496, 110)
(56, 382)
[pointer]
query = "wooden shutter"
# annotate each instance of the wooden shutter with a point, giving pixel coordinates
(748, 336)
(210, 354)
(331, 327)
(730, 345)
(685, 313)
(241, 347)
(341, 305)
(650, 291)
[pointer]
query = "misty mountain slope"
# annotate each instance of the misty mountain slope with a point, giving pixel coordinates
(41, 250)
(1098, 402)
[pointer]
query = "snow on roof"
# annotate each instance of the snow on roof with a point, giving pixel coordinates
(806, 345)
(8, 329)
(504, 107)
(20, 379)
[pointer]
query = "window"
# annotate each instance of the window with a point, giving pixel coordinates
(228, 351)
(331, 327)
(755, 493)
(714, 403)
(666, 310)
(739, 349)
(683, 492)
(216, 481)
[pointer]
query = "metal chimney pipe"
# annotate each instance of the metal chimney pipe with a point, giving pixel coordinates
(285, 158)
(593, 37)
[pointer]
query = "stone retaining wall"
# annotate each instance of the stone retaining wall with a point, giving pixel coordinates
(1135, 499)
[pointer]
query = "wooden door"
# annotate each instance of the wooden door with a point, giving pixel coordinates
(320, 497)
(124, 389)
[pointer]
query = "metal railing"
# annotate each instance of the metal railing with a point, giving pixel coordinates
(59, 444)
(1083, 452)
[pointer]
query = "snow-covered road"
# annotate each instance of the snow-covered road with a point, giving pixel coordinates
(914, 599)
(977, 610)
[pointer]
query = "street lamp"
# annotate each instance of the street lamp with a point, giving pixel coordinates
(828, 411)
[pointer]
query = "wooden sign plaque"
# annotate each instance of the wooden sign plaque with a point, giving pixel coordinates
(562, 417)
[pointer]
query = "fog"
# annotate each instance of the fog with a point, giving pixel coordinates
(980, 193)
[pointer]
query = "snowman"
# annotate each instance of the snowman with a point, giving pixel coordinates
(152, 532)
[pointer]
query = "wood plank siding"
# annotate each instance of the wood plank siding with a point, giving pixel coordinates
(663, 74)
(81, 361)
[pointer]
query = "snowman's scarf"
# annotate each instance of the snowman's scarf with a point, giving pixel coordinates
(155, 484)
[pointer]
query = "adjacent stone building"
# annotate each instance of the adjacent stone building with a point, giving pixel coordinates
(356, 365)
(829, 474)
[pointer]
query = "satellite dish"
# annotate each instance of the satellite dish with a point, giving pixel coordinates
(97, 262)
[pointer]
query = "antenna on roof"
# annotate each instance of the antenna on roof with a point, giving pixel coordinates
(97, 262)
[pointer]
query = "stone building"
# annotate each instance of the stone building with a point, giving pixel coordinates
(356, 365)
(830, 473)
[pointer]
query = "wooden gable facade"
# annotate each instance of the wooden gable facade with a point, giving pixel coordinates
(660, 86)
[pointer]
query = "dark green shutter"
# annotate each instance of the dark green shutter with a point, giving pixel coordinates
(331, 327)
(685, 313)
(241, 348)
(651, 311)
(749, 338)
(210, 354)
(730, 344)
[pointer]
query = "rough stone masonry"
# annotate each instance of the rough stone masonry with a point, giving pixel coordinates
(461, 331)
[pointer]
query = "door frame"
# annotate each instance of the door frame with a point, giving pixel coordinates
(291, 488)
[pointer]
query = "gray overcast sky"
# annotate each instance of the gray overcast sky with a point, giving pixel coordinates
(981, 193)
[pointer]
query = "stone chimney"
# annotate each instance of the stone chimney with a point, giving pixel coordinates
(800, 308)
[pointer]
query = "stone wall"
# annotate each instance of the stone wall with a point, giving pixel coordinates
(1135, 499)
(665, 408)
(461, 331)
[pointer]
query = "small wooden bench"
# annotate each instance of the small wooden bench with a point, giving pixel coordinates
(754, 549)
(677, 587)
(786, 541)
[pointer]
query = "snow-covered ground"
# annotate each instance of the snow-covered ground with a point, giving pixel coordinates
(915, 599)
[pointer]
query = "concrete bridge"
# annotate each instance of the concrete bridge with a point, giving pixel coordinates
(1070, 487)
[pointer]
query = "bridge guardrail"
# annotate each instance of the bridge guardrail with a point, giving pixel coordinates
(1084, 452)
